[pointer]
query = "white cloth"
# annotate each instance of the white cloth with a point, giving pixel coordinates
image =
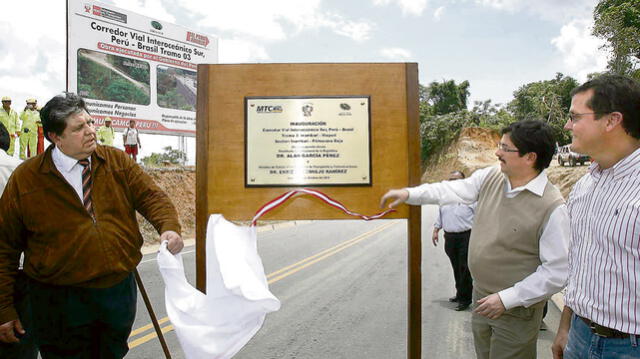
(455, 218)
(604, 262)
(70, 169)
(551, 276)
(220, 323)
(7, 165)
(130, 136)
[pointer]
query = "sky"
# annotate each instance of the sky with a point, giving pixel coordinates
(497, 45)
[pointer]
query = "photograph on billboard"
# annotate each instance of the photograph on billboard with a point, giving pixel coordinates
(131, 67)
(112, 78)
(177, 88)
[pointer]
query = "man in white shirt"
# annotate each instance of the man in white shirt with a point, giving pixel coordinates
(602, 304)
(131, 140)
(518, 246)
(25, 348)
(456, 221)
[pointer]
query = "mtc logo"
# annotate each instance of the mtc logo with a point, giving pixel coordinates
(269, 109)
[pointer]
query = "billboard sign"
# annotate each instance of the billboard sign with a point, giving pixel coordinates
(131, 67)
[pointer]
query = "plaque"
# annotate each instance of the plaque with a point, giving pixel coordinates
(307, 141)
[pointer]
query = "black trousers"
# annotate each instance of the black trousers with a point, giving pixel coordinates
(456, 245)
(26, 348)
(78, 323)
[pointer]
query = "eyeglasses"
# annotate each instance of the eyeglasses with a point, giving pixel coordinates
(575, 117)
(503, 147)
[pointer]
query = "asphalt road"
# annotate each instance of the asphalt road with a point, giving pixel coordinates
(348, 302)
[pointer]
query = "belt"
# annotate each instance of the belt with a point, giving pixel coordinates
(603, 331)
(463, 232)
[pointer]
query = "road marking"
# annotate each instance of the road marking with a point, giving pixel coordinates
(275, 276)
(325, 254)
(147, 327)
(150, 336)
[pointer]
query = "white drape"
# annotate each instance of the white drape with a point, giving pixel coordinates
(220, 323)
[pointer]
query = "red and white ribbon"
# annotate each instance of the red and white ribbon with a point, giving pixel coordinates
(330, 201)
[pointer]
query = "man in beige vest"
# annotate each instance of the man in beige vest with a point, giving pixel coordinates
(518, 247)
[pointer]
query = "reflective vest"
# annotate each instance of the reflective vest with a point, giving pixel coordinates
(10, 120)
(106, 135)
(30, 119)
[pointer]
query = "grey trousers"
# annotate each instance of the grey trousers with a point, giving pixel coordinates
(513, 335)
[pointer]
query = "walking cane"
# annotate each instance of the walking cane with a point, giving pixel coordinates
(147, 303)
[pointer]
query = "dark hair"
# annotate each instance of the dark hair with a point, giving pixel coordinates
(533, 136)
(5, 140)
(55, 113)
(458, 173)
(615, 93)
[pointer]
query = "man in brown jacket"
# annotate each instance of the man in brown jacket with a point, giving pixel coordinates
(72, 211)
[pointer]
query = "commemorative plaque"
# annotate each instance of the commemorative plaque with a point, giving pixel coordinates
(307, 141)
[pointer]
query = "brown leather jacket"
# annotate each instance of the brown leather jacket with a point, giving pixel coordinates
(41, 214)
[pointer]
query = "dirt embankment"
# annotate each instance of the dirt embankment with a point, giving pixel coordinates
(475, 148)
(180, 184)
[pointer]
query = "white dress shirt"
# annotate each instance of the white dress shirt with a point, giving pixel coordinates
(455, 218)
(551, 275)
(70, 169)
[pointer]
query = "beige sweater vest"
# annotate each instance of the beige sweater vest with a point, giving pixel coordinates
(504, 244)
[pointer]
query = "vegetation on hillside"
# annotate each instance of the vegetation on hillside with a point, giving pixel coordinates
(138, 70)
(101, 83)
(170, 156)
(168, 94)
(444, 109)
(443, 113)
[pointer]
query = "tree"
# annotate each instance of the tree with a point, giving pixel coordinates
(618, 23)
(446, 97)
(547, 100)
(489, 115)
(443, 113)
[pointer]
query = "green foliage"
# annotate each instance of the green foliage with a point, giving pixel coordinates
(99, 82)
(438, 131)
(547, 100)
(618, 23)
(442, 114)
(175, 157)
(446, 97)
(489, 115)
(138, 70)
(120, 89)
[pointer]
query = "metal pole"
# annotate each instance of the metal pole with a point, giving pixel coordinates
(147, 303)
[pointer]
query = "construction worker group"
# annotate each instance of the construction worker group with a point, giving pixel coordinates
(27, 127)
